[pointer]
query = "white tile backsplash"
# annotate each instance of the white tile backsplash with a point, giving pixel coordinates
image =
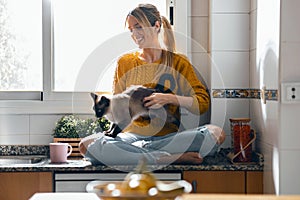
(200, 39)
(14, 124)
(43, 124)
(289, 139)
(230, 32)
(253, 5)
(230, 6)
(44, 139)
(12, 139)
(289, 170)
(201, 63)
(253, 29)
(290, 62)
(290, 21)
(233, 67)
(254, 77)
(224, 109)
(200, 8)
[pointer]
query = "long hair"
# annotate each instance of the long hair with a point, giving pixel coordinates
(147, 15)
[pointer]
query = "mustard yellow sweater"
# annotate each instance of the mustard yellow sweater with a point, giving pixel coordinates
(180, 79)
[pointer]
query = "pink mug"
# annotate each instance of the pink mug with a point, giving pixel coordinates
(59, 152)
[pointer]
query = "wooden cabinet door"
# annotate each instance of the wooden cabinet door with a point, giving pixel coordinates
(216, 181)
(254, 182)
(22, 185)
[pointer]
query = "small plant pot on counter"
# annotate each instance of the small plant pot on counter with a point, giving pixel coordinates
(74, 142)
(70, 129)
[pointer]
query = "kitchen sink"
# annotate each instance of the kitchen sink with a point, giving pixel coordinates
(22, 160)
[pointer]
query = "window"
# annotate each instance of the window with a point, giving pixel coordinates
(86, 27)
(21, 45)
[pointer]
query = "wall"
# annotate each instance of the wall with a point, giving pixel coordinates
(289, 137)
(28, 129)
(274, 59)
(229, 50)
(264, 68)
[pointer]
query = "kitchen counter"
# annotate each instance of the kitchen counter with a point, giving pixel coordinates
(219, 162)
(92, 196)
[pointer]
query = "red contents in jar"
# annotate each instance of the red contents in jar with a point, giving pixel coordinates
(241, 137)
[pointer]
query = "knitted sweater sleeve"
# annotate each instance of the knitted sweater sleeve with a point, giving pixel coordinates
(195, 87)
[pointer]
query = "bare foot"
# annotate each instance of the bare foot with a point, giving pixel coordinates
(184, 158)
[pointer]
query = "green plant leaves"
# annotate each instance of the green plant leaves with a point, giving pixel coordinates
(71, 126)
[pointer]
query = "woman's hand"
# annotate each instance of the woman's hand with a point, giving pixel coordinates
(157, 100)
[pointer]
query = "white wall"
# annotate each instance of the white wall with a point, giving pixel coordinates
(289, 148)
(28, 129)
(264, 69)
(277, 122)
(229, 42)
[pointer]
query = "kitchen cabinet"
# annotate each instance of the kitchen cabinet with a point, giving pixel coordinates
(245, 182)
(22, 185)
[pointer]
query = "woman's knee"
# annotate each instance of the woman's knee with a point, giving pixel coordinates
(217, 132)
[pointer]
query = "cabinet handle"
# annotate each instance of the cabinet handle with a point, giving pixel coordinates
(194, 186)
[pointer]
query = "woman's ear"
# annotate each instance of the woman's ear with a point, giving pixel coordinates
(157, 26)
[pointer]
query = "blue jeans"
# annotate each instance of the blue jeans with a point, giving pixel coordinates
(129, 148)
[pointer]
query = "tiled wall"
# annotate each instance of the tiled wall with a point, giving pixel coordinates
(277, 122)
(229, 43)
(289, 148)
(28, 129)
(265, 116)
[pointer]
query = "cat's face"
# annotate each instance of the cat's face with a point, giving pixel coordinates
(101, 105)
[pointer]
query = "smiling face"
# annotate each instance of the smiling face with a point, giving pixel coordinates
(144, 37)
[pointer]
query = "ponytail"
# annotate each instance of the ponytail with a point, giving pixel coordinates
(169, 42)
(168, 37)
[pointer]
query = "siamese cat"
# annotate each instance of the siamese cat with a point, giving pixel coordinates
(121, 109)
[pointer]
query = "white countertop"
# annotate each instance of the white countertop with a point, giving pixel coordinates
(64, 196)
(93, 196)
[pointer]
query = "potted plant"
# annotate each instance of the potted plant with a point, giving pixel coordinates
(71, 129)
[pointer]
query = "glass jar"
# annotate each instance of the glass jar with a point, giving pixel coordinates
(241, 139)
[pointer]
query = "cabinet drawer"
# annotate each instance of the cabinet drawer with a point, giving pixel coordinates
(216, 181)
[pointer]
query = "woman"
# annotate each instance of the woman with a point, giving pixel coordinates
(157, 65)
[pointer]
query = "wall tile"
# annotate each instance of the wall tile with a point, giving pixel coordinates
(223, 110)
(199, 35)
(289, 138)
(290, 21)
(40, 139)
(43, 124)
(14, 124)
(254, 71)
(199, 7)
(233, 67)
(230, 32)
(201, 62)
(253, 5)
(14, 139)
(289, 168)
(290, 62)
(253, 23)
(230, 6)
(270, 155)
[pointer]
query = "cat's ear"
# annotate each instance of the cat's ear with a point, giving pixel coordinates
(94, 96)
(104, 100)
